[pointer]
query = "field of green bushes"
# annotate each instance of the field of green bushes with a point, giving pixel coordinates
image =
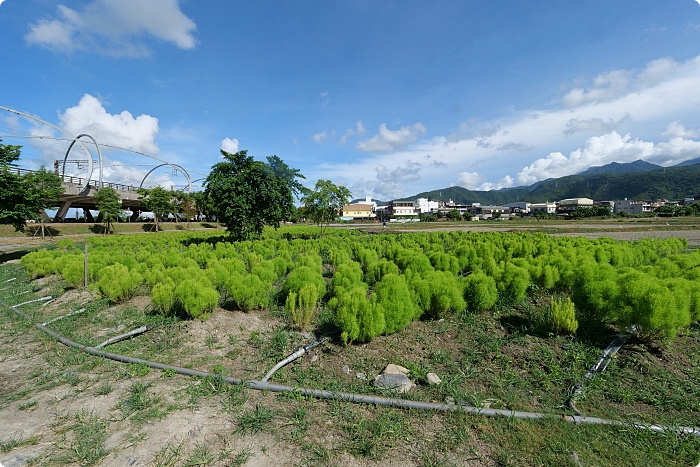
(378, 284)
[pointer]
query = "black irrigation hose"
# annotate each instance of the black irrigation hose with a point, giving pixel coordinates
(359, 398)
(598, 367)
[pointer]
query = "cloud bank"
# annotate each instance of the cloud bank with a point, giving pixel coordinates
(114, 27)
(649, 113)
(121, 130)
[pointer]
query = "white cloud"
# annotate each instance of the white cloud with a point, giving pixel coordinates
(389, 183)
(325, 98)
(387, 140)
(470, 180)
(505, 182)
(114, 27)
(596, 125)
(510, 146)
(676, 130)
(359, 131)
(320, 138)
(663, 91)
(230, 145)
(606, 87)
(122, 130)
(601, 150)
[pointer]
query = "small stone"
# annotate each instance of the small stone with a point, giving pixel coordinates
(314, 358)
(361, 376)
(399, 382)
(449, 400)
(392, 369)
(346, 370)
(433, 379)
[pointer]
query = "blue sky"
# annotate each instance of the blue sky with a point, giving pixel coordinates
(388, 98)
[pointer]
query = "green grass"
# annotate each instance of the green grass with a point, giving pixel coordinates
(89, 434)
(255, 420)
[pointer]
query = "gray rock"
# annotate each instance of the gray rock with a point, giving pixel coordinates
(346, 370)
(449, 400)
(361, 376)
(314, 358)
(399, 383)
(433, 379)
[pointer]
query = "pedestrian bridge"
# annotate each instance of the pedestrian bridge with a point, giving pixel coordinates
(72, 196)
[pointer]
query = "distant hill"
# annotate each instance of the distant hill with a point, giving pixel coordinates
(618, 168)
(362, 200)
(663, 183)
(690, 162)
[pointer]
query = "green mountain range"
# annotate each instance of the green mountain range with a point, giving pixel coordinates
(672, 183)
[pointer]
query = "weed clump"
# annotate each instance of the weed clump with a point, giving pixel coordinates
(562, 316)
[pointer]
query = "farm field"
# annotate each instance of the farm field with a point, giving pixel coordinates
(476, 315)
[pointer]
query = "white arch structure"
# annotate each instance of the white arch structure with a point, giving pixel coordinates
(74, 138)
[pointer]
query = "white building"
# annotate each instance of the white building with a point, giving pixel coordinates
(543, 208)
(423, 205)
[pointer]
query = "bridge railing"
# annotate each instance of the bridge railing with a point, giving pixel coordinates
(79, 181)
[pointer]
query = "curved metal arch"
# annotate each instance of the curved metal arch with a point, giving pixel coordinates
(174, 166)
(87, 151)
(99, 157)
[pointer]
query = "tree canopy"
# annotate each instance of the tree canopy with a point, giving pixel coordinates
(325, 203)
(247, 194)
(109, 205)
(23, 197)
(158, 200)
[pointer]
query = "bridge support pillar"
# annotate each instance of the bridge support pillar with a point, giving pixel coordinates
(135, 216)
(44, 216)
(62, 210)
(88, 215)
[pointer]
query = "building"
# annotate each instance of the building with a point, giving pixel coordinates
(424, 205)
(632, 207)
(402, 208)
(358, 211)
(571, 204)
(487, 212)
(543, 208)
(520, 207)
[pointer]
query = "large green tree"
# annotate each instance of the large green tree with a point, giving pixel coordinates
(325, 203)
(11, 188)
(110, 206)
(247, 194)
(25, 197)
(159, 201)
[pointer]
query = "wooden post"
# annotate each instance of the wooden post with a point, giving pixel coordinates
(86, 263)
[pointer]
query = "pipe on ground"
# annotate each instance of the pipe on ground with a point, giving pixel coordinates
(358, 398)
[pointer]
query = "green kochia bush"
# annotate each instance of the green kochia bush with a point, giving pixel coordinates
(437, 293)
(163, 296)
(381, 268)
(394, 297)
(657, 308)
(480, 291)
(118, 283)
(196, 298)
(359, 319)
(302, 276)
(248, 291)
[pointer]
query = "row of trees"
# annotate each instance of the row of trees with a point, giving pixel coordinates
(25, 197)
(248, 195)
(243, 193)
